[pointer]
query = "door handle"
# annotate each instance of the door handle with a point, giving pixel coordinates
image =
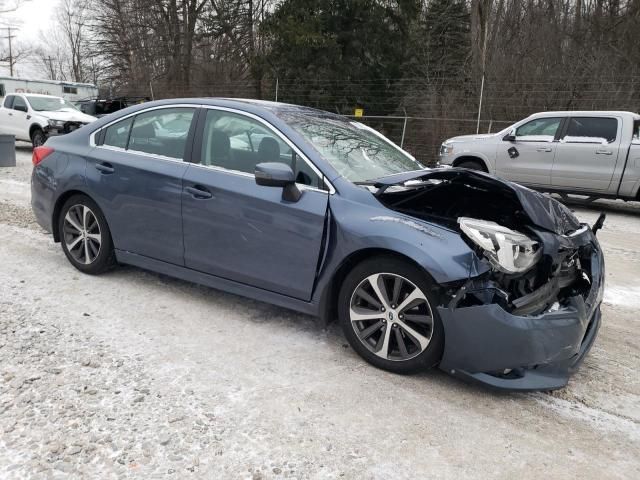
(604, 152)
(199, 192)
(545, 149)
(10, 114)
(105, 168)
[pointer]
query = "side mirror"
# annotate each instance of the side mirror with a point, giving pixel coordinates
(510, 137)
(276, 174)
(21, 108)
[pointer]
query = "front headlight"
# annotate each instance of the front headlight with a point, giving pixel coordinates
(56, 123)
(507, 250)
(446, 149)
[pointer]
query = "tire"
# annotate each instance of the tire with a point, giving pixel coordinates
(471, 165)
(85, 236)
(38, 138)
(389, 326)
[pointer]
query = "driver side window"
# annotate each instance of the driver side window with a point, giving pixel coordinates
(20, 104)
(538, 130)
(236, 142)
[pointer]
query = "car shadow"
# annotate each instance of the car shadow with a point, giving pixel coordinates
(254, 311)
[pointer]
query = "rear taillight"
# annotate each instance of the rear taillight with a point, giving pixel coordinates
(40, 153)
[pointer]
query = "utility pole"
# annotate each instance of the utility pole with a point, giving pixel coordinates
(9, 37)
(52, 71)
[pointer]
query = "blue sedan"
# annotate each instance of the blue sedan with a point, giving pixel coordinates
(311, 211)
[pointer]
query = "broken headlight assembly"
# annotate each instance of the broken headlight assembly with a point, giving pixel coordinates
(509, 251)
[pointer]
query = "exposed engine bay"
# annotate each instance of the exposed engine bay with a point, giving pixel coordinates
(540, 255)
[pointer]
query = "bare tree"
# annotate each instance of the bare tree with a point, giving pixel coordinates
(72, 19)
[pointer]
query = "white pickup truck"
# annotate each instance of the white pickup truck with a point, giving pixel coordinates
(586, 153)
(33, 118)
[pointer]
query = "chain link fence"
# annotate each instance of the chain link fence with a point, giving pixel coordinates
(419, 114)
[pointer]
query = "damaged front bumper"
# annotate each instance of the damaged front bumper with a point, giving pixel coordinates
(515, 351)
(62, 129)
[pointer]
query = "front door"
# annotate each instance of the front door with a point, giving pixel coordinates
(19, 118)
(6, 116)
(244, 232)
(529, 159)
(136, 174)
(587, 154)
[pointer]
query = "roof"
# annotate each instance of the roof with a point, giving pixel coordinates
(52, 82)
(590, 113)
(34, 94)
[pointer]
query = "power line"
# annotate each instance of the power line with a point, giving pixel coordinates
(10, 37)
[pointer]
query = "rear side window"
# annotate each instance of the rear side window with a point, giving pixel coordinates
(636, 131)
(538, 130)
(591, 130)
(8, 102)
(162, 132)
(117, 134)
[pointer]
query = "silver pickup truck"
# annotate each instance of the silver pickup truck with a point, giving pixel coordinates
(587, 153)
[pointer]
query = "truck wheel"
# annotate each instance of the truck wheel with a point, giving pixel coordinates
(471, 165)
(38, 138)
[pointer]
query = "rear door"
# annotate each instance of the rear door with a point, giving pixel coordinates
(238, 230)
(529, 159)
(136, 173)
(587, 154)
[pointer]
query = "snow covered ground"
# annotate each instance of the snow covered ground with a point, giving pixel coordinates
(133, 374)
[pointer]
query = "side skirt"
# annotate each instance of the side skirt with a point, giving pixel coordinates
(218, 283)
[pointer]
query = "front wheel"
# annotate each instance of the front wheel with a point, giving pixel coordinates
(38, 138)
(85, 236)
(387, 312)
(471, 165)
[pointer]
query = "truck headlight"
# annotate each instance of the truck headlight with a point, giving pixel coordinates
(56, 123)
(507, 250)
(446, 149)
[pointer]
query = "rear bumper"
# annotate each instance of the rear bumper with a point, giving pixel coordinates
(539, 352)
(42, 197)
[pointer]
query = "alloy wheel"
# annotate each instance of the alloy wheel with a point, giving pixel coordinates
(391, 316)
(82, 236)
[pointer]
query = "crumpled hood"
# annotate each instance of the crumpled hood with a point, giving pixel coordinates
(68, 115)
(542, 210)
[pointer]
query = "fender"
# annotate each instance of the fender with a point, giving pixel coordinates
(475, 156)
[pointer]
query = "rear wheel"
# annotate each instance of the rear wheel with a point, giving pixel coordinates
(38, 138)
(472, 165)
(85, 235)
(387, 312)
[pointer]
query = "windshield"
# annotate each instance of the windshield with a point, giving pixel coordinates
(356, 152)
(49, 104)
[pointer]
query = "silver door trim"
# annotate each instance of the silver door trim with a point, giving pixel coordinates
(92, 137)
(330, 189)
(92, 142)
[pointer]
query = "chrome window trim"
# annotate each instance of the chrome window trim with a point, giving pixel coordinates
(330, 189)
(251, 176)
(92, 142)
(92, 137)
(143, 154)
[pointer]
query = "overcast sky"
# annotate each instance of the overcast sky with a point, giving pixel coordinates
(32, 17)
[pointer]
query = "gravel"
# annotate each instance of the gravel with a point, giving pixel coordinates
(133, 374)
